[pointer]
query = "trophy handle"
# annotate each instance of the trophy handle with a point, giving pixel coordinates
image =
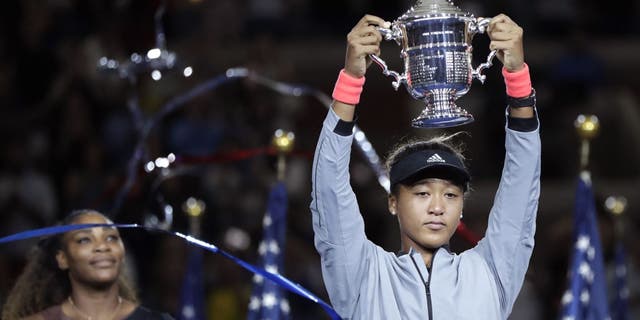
(394, 33)
(399, 78)
(480, 26)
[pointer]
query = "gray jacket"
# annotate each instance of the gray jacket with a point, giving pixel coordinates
(366, 282)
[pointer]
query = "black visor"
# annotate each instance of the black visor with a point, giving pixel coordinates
(430, 163)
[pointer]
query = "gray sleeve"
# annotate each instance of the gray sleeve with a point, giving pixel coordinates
(508, 242)
(337, 224)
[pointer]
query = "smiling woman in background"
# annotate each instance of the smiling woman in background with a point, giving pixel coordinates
(77, 275)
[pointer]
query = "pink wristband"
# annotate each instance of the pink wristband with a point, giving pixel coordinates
(348, 88)
(518, 83)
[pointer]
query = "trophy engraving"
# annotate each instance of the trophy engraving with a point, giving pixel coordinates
(435, 37)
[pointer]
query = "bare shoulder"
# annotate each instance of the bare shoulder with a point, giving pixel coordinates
(128, 308)
(37, 316)
(53, 312)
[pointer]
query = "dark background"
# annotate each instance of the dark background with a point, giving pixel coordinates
(67, 133)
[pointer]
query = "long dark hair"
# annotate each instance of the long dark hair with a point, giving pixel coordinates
(43, 284)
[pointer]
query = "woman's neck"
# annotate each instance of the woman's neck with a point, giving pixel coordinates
(427, 254)
(92, 303)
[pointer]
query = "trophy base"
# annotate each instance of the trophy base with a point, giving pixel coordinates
(441, 122)
(441, 111)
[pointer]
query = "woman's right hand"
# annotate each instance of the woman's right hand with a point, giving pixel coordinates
(363, 40)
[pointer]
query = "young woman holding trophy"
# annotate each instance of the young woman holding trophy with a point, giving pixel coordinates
(428, 185)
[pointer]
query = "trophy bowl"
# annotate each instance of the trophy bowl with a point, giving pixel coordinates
(435, 37)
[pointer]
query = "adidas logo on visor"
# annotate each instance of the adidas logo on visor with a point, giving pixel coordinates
(435, 158)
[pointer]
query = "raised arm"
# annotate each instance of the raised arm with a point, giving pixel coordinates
(508, 242)
(337, 223)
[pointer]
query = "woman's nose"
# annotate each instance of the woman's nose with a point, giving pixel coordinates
(101, 245)
(436, 206)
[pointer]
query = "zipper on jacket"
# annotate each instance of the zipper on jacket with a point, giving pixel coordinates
(427, 284)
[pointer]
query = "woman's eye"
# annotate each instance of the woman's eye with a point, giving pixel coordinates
(422, 194)
(83, 240)
(451, 195)
(112, 238)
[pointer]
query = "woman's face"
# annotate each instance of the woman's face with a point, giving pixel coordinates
(428, 213)
(93, 256)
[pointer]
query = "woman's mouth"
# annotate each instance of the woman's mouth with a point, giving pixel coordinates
(103, 262)
(434, 225)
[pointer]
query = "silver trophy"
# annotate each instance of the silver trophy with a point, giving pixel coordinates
(435, 36)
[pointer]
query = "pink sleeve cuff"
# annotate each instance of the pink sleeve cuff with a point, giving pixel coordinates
(348, 88)
(518, 83)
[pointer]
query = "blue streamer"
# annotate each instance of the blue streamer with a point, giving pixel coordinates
(49, 231)
(277, 278)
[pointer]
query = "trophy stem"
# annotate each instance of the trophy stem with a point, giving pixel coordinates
(441, 110)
